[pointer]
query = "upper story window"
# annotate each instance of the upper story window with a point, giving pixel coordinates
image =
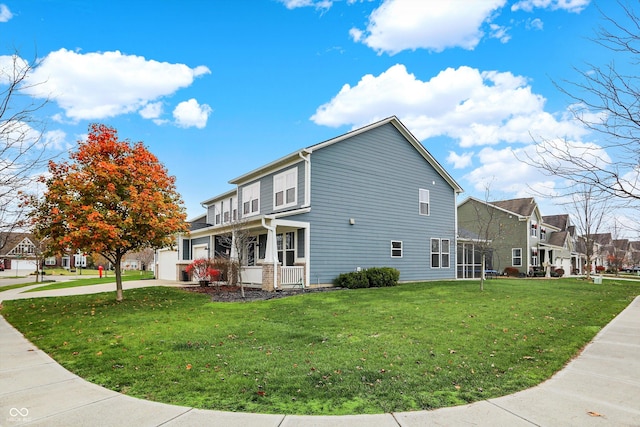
(229, 211)
(25, 247)
(534, 229)
(543, 233)
(218, 210)
(285, 186)
(423, 196)
(251, 199)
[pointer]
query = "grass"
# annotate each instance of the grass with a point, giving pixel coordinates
(411, 347)
(127, 276)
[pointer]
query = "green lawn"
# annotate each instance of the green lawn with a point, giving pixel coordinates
(411, 347)
(126, 276)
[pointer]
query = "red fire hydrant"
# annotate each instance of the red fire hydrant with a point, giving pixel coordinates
(100, 268)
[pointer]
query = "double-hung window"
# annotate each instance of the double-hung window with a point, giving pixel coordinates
(423, 201)
(251, 199)
(440, 253)
(516, 257)
(285, 186)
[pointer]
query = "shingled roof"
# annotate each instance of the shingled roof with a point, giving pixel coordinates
(559, 221)
(522, 207)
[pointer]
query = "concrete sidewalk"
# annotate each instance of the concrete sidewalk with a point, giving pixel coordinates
(601, 387)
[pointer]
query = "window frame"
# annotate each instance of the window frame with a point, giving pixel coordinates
(514, 257)
(285, 183)
(423, 194)
(251, 199)
(395, 247)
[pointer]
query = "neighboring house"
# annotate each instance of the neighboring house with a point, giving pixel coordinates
(19, 251)
(571, 258)
(518, 235)
(372, 197)
(602, 247)
(633, 258)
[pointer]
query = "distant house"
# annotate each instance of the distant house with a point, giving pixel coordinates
(18, 251)
(520, 237)
(372, 197)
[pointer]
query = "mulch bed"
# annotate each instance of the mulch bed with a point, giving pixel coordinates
(226, 293)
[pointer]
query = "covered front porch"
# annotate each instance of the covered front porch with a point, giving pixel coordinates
(272, 253)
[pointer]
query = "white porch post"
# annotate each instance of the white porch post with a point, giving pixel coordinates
(271, 251)
(234, 251)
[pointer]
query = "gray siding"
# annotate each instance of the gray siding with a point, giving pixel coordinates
(374, 178)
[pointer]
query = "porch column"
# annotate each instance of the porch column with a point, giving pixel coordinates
(234, 251)
(270, 265)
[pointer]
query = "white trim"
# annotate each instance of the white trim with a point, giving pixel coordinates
(282, 183)
(422, 192)
(400, 248)
(252, 193)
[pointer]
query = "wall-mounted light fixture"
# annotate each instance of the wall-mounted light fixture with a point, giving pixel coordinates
(352, 221)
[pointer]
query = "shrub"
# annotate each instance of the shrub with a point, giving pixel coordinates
(511, 271)
(600, 268)
(559, 272)
(380, 277)
(353, 280)
(375, 277)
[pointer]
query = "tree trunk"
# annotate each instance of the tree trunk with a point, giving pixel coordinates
(482, 270)
(119, 293)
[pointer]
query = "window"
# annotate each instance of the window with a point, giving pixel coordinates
(543, 233)
(516, 257)
(50, 261)
(534, 257)
(445, 253)
(396, 249)
(534, 229)
(286, 248)
(423, 196)
(25, 247)
(251, 251)
(251, 199)
(285, 188)
(440, 253)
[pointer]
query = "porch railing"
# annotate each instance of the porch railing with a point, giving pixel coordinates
(292, 275)
(252, 275)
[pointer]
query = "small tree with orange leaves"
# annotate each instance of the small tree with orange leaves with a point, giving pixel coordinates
(112, 198)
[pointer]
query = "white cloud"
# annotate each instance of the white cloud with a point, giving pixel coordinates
(5, 13)
(56, 140)
(471, 106)
(429, 24)
(318, 4)
(535, 24)
(574, 6)
(460, 161)
(191, 114)
(11, 65)
(101, 85)
(500, 33)
(152, 110)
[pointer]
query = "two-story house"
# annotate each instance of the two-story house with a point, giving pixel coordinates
(517, 235)
(369, 198)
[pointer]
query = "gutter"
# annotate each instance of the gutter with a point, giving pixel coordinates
(307, 177)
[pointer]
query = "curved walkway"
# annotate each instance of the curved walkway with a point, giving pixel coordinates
(601, 387)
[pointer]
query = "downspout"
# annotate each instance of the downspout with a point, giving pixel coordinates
(307, 178)
(275, 270)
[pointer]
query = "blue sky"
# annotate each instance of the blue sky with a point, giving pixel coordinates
(217, 88)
